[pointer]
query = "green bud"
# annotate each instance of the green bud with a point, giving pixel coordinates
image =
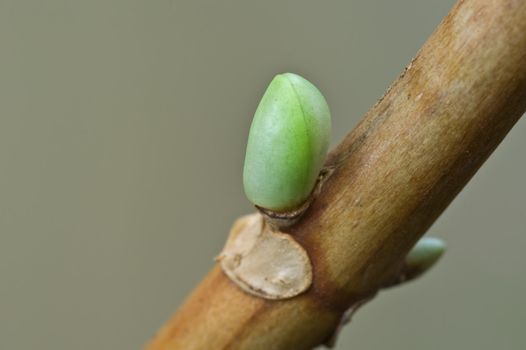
(287, 144)
(424, 254)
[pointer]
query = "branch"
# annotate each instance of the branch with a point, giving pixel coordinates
(391, 178)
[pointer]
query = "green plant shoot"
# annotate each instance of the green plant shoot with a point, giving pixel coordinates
(287, 144)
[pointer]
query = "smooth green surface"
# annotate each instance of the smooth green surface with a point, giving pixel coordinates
(123, 127)
(287, 143)
(425, 253)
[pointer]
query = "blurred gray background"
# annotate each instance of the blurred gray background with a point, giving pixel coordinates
(122, 134)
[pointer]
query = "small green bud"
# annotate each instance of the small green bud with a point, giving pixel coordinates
(287, 144)
(424, 254)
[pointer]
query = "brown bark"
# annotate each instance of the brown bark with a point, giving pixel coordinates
(393, 176)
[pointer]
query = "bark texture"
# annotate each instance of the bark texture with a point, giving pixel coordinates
(391, 178)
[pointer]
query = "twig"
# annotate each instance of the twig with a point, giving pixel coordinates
(392, 177)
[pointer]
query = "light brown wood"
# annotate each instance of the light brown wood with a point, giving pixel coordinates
(393, 176)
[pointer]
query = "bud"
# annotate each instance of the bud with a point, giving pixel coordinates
(287, 144)
(424, 254)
